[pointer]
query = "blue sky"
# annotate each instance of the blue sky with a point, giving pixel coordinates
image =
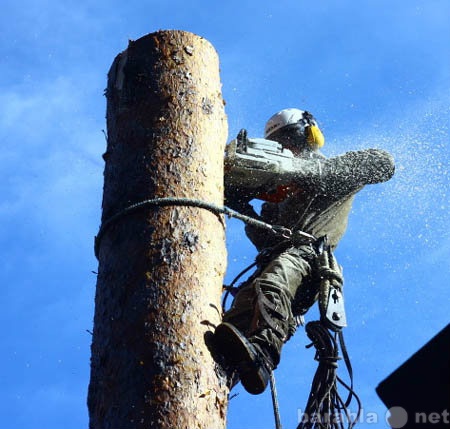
(374, 73)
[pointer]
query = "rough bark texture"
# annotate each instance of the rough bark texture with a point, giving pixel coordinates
(160, 269)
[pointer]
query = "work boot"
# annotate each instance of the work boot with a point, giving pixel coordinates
(252, 365)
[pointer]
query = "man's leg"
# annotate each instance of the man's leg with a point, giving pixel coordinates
(260, 320)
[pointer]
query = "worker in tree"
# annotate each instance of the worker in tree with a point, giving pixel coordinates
(312, 197)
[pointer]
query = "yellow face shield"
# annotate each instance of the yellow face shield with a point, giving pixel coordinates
(314, 137)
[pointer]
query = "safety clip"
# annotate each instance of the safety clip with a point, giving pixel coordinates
(281, 230)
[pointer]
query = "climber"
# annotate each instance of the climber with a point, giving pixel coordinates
(314, 198)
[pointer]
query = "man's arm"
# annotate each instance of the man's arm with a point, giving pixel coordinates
(344, 174)
(338, 176)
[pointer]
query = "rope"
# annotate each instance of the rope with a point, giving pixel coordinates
(231, 288)
(324, 402)
(276, 408)
(187, 202)
(325, 408)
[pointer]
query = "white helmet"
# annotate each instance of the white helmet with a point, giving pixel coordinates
(283, 118)
(292, 116)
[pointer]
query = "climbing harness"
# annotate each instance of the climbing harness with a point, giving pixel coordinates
(325, 407)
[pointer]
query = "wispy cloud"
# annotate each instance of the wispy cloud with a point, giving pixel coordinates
(51, 155)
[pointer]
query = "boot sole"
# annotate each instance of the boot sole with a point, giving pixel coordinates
(235, 348)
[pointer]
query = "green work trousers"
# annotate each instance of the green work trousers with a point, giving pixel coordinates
(279, 283)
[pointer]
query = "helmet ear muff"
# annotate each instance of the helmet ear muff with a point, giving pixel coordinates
(286, 123)
(314, 137)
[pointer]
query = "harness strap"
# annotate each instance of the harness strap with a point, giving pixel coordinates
(349, 367)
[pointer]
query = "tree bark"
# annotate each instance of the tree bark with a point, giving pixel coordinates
(160, 269)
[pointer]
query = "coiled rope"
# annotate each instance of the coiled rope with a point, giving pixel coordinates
(325, 408)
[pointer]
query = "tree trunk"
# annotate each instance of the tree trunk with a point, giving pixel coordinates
(160, 269)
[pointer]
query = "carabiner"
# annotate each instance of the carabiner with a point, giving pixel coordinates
(281, 230)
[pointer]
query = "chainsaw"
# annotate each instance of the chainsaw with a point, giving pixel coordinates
(256, 162)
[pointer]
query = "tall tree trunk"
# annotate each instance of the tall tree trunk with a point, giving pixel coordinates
(160, 269)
